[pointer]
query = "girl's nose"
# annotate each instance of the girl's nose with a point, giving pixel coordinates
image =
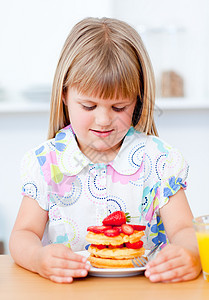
(103, 118)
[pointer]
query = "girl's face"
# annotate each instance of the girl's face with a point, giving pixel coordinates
(99, 125)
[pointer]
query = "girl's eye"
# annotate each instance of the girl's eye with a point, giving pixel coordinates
(118, 109)
(89, 107)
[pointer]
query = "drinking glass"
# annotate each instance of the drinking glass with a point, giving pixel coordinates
(201, 226)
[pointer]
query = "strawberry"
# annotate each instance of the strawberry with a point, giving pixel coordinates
(127, 229)
(136, 245)
(112, 232)
(98, 229)
(119, 228)
(117, 218)
(138, 227)
(100, 246)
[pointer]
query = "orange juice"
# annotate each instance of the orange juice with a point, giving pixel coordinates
(203, 243)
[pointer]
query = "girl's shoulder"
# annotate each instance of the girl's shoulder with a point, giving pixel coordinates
(53, 151)
(43, 148)
(157, 145)
(39, 155)
(155, 150)
(152, 145)
(62, 137)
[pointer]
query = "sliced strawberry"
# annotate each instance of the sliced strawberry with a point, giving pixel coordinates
(119, 228)
(115, 247)
(112, 232)
(117, 218)
(98, 229)
(136, 245)
(127, 229)
(90, 228)
(100, 247)
(138, 227)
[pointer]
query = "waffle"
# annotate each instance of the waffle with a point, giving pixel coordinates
(116, 253)
(101, 239)
(111, 257)
(105, 263)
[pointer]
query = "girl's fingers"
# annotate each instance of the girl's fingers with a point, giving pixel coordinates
(69, 264)
(66, 274)
(75, 257)
(182, 273)
(61, 264)
(64, 252)
(165, 265)
(172, 264)
(168, 275)
(186, 277)
(172, 276)
(58, 279)
(163, 256)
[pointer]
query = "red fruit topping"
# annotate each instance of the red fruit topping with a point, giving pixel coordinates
(100, 247)
(90, 228)
(138, 227)
(117, 218)
(136, 245)
(98, 229)
(112, 232)
(119, 228)
(115, 247)
(127, 229)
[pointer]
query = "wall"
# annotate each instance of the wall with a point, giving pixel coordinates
(186, 49)
(188, 131)
(18, 133)
(32, 34)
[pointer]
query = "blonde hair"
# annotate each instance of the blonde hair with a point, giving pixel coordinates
(104, 58)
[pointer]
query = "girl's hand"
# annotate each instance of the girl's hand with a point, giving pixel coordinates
(60, 264)
(172, 264)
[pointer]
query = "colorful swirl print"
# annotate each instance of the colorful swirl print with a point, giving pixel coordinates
(69, 233)
(69, 197)
(115, 203)
(72, 230)
(136, 156)
(147, 167)
(96, 185)
(54, 213)
(30, 189)
(160, 165)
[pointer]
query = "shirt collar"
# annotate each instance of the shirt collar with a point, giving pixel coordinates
(71, 160)
(131, 154)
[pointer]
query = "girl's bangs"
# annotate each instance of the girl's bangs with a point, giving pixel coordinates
(105, 80)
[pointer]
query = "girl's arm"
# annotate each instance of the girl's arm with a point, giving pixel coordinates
(178, 261)
(56, 261)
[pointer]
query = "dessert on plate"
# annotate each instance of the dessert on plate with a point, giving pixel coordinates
(115, 243)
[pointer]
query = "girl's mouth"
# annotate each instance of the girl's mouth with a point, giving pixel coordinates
(102, 134)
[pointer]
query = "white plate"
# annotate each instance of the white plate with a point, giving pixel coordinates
(112, 272)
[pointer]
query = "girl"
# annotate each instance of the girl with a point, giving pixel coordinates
(103, 155)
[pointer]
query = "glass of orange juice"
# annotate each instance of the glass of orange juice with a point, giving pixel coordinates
(201, 225)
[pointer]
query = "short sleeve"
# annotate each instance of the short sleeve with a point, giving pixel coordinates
(174, 176)
(33, 183)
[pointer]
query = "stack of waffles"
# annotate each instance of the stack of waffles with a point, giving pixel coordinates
(115, 243)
